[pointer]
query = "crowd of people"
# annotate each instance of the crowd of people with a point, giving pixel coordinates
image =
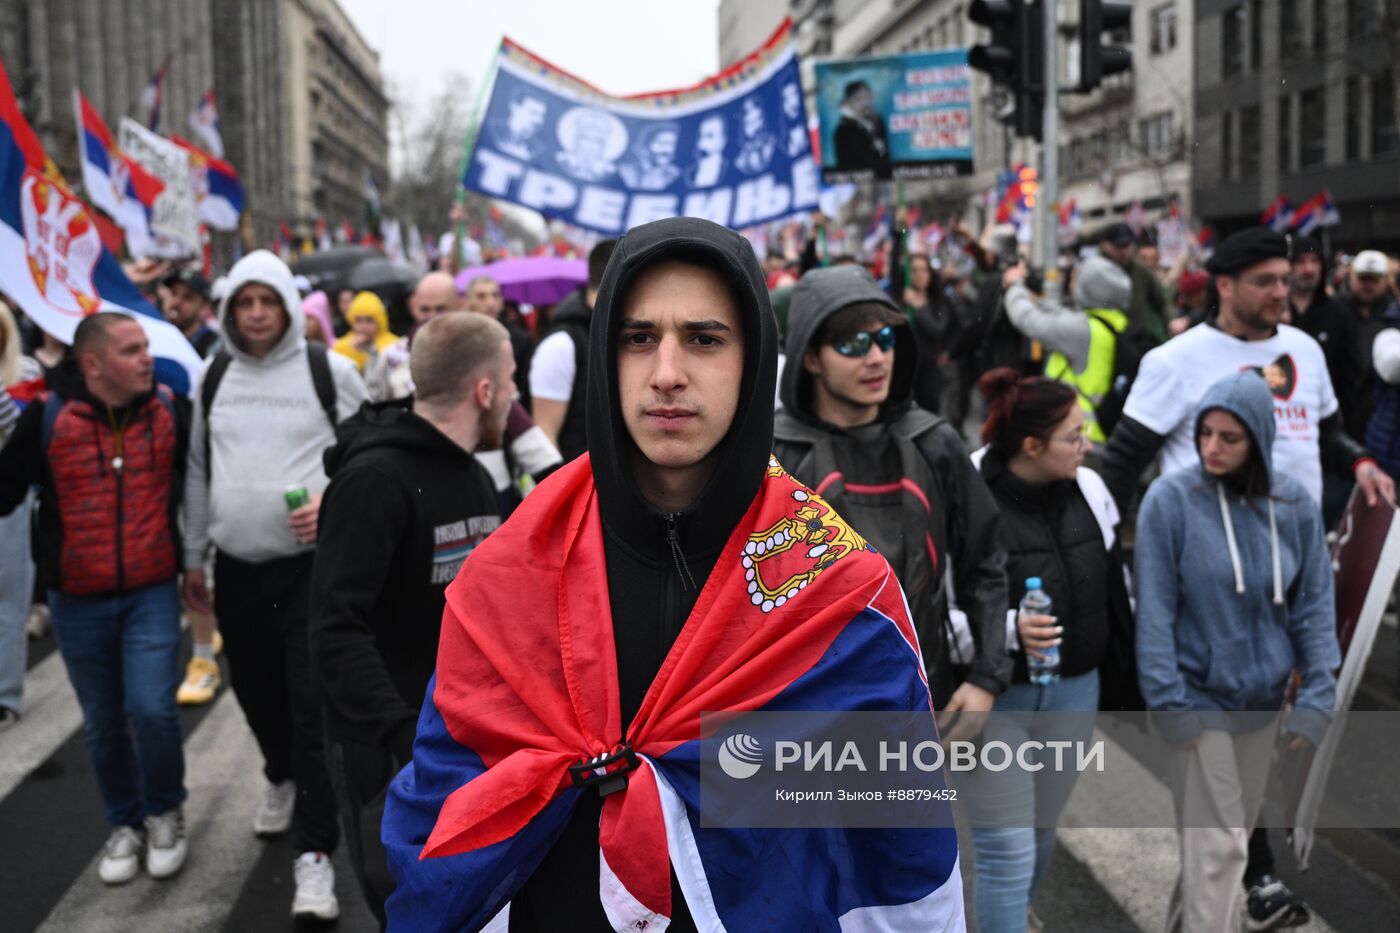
(308, 507)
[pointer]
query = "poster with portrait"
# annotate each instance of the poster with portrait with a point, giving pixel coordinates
(895, 116)
(733, 149)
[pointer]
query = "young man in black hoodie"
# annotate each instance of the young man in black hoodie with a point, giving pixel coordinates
(683, 360)
(407, 503)
(850, 429)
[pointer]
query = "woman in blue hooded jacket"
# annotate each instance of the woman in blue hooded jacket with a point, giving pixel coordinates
(1257, 607)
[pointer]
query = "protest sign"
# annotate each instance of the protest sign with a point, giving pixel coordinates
(895, 116)
(175, 213)
(734, 149)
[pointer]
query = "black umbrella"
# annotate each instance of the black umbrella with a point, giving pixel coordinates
(329, 267)
(377, 273)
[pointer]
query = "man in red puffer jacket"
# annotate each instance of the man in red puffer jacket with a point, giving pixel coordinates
(107, 448)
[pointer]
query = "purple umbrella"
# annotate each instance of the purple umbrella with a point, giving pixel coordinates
(536, 280)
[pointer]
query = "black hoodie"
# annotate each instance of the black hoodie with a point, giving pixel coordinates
(404, 507)
(1333, 325)
(650, 581)
(960, 518)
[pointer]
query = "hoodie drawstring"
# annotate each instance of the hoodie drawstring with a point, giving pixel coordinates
(1278, 561)
(1275, 554)
(1230, 538)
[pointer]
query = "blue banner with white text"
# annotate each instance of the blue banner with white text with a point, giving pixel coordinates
(734, 149)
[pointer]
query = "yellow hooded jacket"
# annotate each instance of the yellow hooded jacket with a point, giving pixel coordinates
(366, 304)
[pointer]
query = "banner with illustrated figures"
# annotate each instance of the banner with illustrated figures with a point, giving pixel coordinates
(895, 116)
(175, 213)
(734, 149)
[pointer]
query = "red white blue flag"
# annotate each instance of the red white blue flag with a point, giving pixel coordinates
(1317, 211)
(114, 182)
(152, 96)
(216, 187)
(1278, 215)
(796, 613)
(52, 261)
(204, 120)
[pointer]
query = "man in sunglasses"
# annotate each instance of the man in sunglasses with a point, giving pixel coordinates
(900, 475)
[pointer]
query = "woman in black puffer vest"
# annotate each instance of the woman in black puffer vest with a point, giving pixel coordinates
(1058, 524)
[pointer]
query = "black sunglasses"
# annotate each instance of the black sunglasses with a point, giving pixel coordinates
(858, 345)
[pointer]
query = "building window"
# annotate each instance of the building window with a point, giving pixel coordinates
(1227, 146)
(1319, 27)
(1385, 134)
(1163, 29)
(1122, 143)
(1361, 18)
(1232, 41)
(1256, 34)
(958, 25)
(1312, 135)
(1353, 128)
(1156, 134)
(1290, 30)
(1285, 134)
(1249, 142)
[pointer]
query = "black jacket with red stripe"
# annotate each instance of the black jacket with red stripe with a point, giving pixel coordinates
(106, 525)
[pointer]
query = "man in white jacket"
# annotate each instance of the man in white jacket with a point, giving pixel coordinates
(272, 402)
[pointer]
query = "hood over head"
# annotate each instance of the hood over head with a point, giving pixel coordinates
(744, 452)
(264, 268)
(817, 296)
(1102, 283)
(1247, 396)
(368, 304)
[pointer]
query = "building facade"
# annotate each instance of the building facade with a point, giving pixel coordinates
(743, 24)
(301, 104)
(1130, 140)
(1293, 97)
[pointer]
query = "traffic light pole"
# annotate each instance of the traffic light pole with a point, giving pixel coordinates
(1048, 251)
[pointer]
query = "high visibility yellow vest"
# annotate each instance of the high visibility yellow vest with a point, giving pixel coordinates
(1094, 381)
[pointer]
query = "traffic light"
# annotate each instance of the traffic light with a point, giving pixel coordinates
(1014, 58)
(1098, 61)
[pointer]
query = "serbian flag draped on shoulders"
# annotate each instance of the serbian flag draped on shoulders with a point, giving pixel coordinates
(52, 261)
(798, 614)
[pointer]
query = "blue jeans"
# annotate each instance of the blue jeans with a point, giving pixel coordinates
(122, 655)
(1011, 858)
(16, 588)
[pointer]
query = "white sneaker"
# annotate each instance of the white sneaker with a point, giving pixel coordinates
(166, 846)
(275, 815)
(121, 856)
(315, 880)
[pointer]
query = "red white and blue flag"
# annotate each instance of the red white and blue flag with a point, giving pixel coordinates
(152, 96)
(204, 120)
(52, 261)
(796, 615)
(1278, 216)
(1317, 211)
(216, 187)
(114, 182)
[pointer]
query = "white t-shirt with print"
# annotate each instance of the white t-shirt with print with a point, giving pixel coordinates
(1174, 378)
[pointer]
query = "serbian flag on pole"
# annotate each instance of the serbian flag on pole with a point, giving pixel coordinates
(52, 261)
(153, 94)
(1278, 215)
(204, 120)
(1317, 211)
(798, 614)
(115, 183)
(216, 185)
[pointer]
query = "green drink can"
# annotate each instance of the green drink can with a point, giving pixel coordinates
(296, 497)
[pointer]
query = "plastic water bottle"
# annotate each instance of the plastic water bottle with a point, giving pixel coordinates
(1043, 670)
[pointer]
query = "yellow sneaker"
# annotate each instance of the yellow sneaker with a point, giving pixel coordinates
(201, 683)
(218, 643)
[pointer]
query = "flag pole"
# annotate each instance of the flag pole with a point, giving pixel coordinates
(473, 129)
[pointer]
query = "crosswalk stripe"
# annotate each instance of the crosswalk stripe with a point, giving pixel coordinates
(51, 715)
(1137, 867)
(223, 849)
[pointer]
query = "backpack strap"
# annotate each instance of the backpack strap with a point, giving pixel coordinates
(53, 405)
(212, 377)
(318, 359)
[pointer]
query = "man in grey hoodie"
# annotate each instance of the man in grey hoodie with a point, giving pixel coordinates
(1259, 605)
(265, 432)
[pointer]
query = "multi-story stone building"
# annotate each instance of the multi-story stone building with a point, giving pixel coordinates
(302, 111)
(1293, 97)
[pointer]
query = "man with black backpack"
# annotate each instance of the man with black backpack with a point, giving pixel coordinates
(900, 475)
(1096, 349)
(265, 411)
